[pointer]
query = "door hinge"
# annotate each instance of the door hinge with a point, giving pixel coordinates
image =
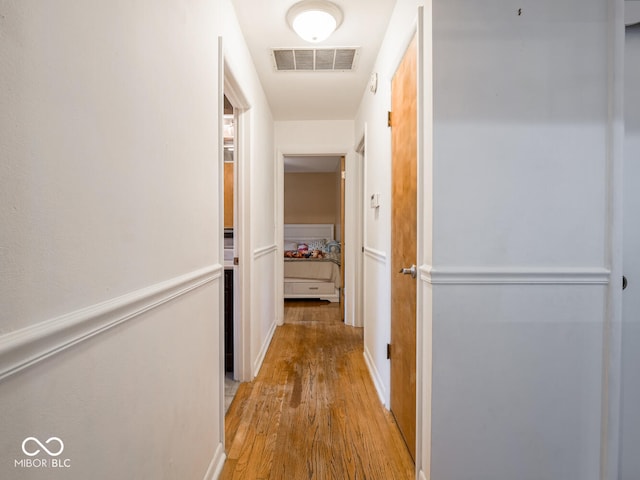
(388, 351)
(343, 175)
(236, 260)
(388, 119)
(363, 249)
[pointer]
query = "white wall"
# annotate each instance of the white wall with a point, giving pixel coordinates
(259, 257)
(372, 115)
(109, 248)
(630, 421)
(314, 136)
(520, 262)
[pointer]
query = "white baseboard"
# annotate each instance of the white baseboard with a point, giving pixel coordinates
(333, 298)
(35, 343)
(375, 376)
(257, 364)
(216, 464)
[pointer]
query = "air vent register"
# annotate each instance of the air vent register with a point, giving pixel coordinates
(314, 59)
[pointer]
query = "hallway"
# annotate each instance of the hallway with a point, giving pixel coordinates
(112, 240)
(312, 412)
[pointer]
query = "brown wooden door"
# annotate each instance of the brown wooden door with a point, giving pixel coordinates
(228, 194)
(403, 245)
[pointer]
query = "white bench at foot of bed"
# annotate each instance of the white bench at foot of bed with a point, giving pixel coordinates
(305, 288)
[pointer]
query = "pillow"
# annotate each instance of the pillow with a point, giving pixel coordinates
(317, 244)
(303, 247)
(289, 245)
(332, 246)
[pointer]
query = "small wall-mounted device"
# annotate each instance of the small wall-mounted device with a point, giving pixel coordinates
(375, 200)
(373, 82)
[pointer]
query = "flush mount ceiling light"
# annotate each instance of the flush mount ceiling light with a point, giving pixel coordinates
(314, 20)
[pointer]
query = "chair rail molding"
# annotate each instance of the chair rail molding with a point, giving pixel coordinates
(30, 345)
(483, 275)
(377, 255)
(262, 251)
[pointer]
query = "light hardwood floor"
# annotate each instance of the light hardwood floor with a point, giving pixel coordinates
(312, 412)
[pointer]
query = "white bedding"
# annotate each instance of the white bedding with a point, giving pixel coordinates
(323, 269)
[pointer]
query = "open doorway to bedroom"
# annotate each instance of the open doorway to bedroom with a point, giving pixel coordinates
(313, 232)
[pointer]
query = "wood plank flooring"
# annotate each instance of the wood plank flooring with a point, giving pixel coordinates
(313, 412)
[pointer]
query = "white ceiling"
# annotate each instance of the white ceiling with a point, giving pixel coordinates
(313, 95)
(311, 163)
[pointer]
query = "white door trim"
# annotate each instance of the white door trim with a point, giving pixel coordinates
(612, 348)
(423, 310)
(350, 209)
(279, 237)
(220, 230)
(359, 208)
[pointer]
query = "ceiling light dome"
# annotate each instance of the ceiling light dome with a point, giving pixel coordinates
(314, 20)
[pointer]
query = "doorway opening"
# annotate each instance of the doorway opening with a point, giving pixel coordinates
(236, 123)
(313, 230)
(230, 255)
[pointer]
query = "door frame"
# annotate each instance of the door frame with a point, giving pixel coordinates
(279, 237)
(612, 356)
(354, 236)
(423, 288)
(241, 282)
(360, 206)
(350, 209)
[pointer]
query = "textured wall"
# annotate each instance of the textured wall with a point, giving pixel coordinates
(110, 236)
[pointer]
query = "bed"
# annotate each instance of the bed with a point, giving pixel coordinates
(314, 271)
